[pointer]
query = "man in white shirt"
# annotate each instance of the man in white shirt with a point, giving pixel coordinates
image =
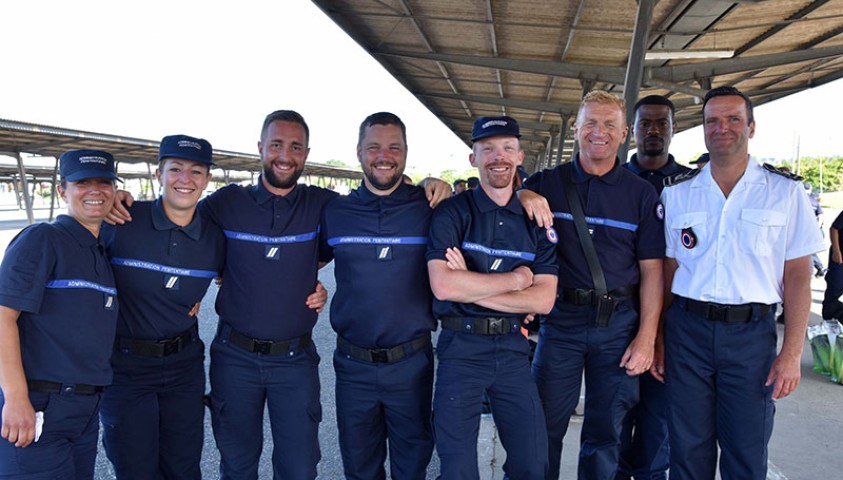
(737, 233)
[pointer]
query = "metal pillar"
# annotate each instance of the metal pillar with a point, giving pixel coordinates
(24, 188)
(635, 65)
(548, 152)
(152, 189)
(53, 184)
(563, 133)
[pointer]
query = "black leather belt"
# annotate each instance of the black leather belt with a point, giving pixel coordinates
(157, 348)
(725, 313)
(482, 325)
(382, 355)
(267, 347)
(581, 296)
(54, 387)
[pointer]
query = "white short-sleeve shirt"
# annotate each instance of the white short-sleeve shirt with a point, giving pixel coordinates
(733, 250)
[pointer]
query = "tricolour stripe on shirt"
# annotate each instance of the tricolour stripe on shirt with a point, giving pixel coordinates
(251, 237)
(608, 222)
(494, 252)
(155, 267)
(364, 240)
(75, 283)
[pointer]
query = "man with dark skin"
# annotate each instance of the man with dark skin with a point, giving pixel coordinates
(644, 446)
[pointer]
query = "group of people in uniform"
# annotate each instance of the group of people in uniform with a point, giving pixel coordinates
(656, 282)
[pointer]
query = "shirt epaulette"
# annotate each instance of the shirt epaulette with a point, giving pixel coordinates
(782, 172)
(681, 177)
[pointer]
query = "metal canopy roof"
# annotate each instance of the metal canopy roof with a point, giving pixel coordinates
(534, 59)
(17, 137)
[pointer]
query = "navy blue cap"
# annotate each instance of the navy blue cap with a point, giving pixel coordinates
(491, 126)
(186, 148)
(701, 159)
(75, 165)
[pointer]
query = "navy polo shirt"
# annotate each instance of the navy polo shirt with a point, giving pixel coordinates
(379, 242)
(623, 214)
(656, 177)
(271, 257)
(161, 269)
(493, 239)
(58, 276)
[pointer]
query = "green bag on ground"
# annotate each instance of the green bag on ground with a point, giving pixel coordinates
(824, 340)
(837, 360)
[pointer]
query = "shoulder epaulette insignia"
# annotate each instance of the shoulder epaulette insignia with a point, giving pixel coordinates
(782, 172)
(680, 177)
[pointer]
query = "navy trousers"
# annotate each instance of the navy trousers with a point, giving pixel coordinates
(645, 453)
(715, 374)
(380, 402)
(832, 307)
(468, 364)
(67, 448)
(242, 383)
(570, 343)
(153, 414)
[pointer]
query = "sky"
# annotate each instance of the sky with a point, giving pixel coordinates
(215, 68)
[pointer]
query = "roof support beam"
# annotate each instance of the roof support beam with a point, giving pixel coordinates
(676, 87)
(540, 67)
(692, 71)
(778, 28)
(670, 73)
(509, 102)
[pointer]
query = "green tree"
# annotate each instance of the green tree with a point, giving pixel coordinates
(809, 169)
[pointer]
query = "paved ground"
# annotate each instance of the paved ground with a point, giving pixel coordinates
(806, 440)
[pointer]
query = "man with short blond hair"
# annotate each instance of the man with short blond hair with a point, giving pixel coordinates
(610, 336)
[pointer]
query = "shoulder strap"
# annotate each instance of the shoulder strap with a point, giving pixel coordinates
(781, 171)
(582, 231)
(678, 178)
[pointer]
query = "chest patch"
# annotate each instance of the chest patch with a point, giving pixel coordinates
(688, 238)
(384, 252)
(171, 282)
(109, 302)
(272, 252)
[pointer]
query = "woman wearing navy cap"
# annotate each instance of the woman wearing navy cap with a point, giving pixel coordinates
(58, 309)
(164, 260)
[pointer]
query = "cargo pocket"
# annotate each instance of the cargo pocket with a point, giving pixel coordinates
(760, 230)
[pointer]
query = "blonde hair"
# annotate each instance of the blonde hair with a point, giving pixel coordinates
(603, 97)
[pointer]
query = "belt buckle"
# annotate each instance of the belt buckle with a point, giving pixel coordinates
(717, 311)
(172, 345)
(496, 325)
(262, 346)
(379, 355)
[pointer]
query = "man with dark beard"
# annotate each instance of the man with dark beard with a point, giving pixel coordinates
(381, 310)
(263, 353)
(653, 128)
(644, 445)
